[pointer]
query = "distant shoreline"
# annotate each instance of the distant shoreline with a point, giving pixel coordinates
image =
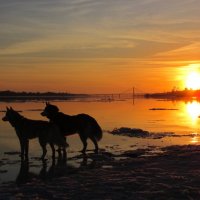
(187, 94)
(8, 93)
(175, 95)
(11, 95)
(49, 96)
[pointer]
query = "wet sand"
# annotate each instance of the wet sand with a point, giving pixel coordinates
(173, 173)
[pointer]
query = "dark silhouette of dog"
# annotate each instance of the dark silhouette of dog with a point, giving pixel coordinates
(26, 129)
(83, 124)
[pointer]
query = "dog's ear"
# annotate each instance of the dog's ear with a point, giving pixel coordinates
(11, 108)
(7, 108)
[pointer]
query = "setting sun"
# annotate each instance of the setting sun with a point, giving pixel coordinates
(193, 80)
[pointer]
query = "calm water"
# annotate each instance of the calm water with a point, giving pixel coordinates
(183, 119)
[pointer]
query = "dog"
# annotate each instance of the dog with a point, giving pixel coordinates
(83, 124)
(26, 129)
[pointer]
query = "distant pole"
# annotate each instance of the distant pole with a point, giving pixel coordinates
(133, 95)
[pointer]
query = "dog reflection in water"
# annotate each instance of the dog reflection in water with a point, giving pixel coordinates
(58, 168)
(55, 170)
(26, 129)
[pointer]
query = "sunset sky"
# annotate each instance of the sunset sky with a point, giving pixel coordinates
(98, 46)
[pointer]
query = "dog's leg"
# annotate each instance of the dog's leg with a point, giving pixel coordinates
(95, 144)
(21, 141)
(26, 149)
(44, 150)
(64, 146)
(84, 141)
(66, 143)
(53, 150)
(59, 152)
(64, 153)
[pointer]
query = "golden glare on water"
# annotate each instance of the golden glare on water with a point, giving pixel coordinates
(193, 109)
(194, 140)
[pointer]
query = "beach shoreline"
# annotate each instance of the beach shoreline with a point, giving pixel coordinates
(172, 174)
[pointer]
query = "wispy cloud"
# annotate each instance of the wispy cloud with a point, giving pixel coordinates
(188, 52)
(98, 35)
(41, 26)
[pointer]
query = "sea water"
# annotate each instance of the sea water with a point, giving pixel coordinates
(157, 116)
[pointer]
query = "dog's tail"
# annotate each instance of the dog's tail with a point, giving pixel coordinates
(98, 133)
(90, 127)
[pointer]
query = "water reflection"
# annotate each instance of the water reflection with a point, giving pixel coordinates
(193, 109)
(58, 168)
(194, 140)
(182, 120)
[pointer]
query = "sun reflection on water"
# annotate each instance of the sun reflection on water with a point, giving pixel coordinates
(194, 140)
(193, 109)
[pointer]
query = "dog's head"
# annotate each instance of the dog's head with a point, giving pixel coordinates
(50, 110)
(11, 115)
(5, 118)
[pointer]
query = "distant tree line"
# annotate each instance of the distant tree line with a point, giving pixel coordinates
(24, 96)
(13, 93)
(187, 93)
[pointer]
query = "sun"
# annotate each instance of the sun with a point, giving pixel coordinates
(193, 80)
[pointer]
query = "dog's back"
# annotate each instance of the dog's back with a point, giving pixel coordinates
(32, 128)
(70, 124)
(47, 132)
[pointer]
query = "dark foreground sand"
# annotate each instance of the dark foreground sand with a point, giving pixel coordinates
(174, 174)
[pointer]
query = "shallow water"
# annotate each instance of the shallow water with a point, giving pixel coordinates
(148, 114)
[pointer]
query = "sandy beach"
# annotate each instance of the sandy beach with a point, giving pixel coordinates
(172, 174)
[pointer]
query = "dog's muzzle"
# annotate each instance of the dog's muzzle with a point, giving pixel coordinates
(43, 113)
(4, 119)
